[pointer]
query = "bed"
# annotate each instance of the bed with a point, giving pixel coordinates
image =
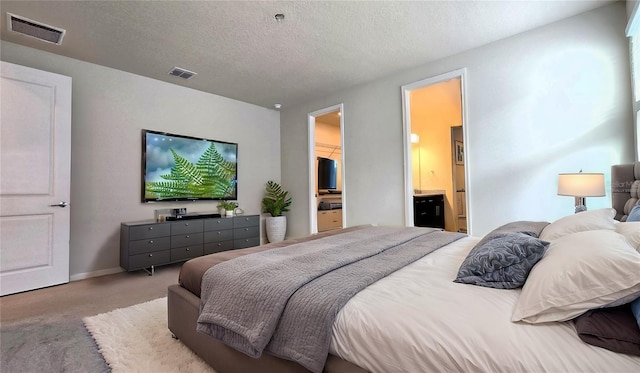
(418, 319)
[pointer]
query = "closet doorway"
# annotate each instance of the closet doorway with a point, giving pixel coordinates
(327, 209)
(435, 134)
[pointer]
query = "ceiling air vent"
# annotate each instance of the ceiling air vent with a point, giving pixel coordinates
(35, 29)
(182, 73)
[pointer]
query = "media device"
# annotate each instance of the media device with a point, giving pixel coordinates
(185, 168)
(327, 173)
(179, 211)
(192, 216)
(330, 204)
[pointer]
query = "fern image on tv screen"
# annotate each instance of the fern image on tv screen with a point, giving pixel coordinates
(178, 168)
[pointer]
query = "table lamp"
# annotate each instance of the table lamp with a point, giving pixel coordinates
(581, 185)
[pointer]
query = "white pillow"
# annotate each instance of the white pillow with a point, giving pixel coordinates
(579, 222)
(631, 231)
(579, 272)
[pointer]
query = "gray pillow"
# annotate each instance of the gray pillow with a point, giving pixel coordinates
(530, 228)
(502, 261)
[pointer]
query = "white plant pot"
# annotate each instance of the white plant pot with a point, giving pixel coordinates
(229, 212)
(276, 228)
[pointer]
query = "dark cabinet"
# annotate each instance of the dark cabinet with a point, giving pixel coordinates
(428, 211)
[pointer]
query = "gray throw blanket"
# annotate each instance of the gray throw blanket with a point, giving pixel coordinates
(285, 300)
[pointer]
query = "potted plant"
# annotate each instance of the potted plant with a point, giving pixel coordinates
(275, 202)
(228, 207)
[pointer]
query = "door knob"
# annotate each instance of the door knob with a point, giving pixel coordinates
(61, 204)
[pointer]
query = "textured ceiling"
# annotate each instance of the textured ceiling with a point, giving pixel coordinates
(240, 51)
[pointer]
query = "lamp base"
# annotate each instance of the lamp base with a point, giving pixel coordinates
(581, 204)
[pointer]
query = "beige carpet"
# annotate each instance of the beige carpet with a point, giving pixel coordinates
(42, 330)
(136, 339)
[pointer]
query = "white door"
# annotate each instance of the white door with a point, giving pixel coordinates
(35, 170)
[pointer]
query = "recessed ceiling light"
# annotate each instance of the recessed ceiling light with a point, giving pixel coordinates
(279, 17)
(277, 106)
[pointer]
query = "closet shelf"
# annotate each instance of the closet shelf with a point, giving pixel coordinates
(329, 146)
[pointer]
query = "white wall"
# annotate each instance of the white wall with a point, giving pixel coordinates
(631, 4)
(555, 99)
(110, 108)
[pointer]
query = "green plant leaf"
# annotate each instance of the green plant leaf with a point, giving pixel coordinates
(186, 169)
(276, 200)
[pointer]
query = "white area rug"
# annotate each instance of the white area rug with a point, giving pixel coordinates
(136, 339)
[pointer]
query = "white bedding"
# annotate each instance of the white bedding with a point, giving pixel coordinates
(419, 320)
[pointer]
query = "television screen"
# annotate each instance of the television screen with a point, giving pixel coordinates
(327, 173)
(181, 168)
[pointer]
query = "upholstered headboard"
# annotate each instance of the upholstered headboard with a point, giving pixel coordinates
(625, 188)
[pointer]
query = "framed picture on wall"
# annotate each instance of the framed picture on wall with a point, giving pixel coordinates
(459, 153)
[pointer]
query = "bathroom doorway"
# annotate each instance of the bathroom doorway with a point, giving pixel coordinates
(327, 208)
(435, 156)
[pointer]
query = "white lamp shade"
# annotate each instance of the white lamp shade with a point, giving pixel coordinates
(415, 138)
(581, 185)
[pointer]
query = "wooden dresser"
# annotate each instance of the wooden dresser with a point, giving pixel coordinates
(147, 244)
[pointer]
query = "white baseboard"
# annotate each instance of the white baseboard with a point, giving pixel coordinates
(102, 272)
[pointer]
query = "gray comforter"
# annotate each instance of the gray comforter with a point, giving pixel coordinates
(285, 301)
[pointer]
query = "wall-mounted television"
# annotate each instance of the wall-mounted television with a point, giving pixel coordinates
(327, 173)
(185, 168)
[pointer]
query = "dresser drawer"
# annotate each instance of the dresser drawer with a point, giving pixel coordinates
(149, 245)
(246, 232)
(184, 253)
(246, 221)
(329, 219)
(217, 236)
(142, 232)
(149, 259)
(246, 242)
(214, 247)
(187, 240)
(217, 224)
(189, 226)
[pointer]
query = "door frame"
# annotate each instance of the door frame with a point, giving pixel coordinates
(406, 136)
(313, 198)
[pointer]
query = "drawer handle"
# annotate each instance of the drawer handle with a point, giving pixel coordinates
(186, 224)
(188, 248)
(219, 244)
(151, 242)
(246, 219)
(246, 229)
(150, 228)
(247, 240)
(150, 255)
(218, 221)
(187, 236)
(218, 232)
